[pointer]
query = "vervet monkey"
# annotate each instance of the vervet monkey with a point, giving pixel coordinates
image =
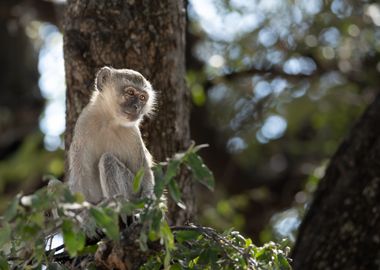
(107, 149)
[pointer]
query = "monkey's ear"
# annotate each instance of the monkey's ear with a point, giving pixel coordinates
(102, 76)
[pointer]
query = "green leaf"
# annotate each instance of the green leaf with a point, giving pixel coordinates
(152, 235)
(201, 172)
(248, 242)
(182, 236)
(28, 231)
(198, 94)
(283, 262)
(72, 197)
(107, 221)
(143, 241)
(263, 255)
(4, 263)
(176, 267)
(129, 207)
(171, 170)
(174, 191)
(5, 234)
(74, 241)
(40, 201)
(159, 181)
(11, 211)
(167, 235)
(206, 256)
(137, 180)
(79, 197)
(38, 218)
(88, 250)
(156, 218)
(167, 259)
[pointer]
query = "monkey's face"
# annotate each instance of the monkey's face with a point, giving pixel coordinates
(127, 92)
(133, 102)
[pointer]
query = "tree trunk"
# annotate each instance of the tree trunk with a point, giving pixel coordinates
(342, 228)
(20, 99)
(142, 35)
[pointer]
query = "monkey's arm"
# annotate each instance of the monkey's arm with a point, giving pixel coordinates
(147, 185)
(115, 178)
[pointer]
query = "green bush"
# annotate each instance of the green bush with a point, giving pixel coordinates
(26, 230)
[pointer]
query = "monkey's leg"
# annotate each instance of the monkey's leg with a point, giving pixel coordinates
(115, 178)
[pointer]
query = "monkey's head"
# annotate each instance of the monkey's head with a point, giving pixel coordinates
(126, 92)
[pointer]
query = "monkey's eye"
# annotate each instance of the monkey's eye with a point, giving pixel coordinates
(142, 97)
(130, 91)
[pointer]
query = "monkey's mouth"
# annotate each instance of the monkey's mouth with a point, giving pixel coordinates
(131, 116)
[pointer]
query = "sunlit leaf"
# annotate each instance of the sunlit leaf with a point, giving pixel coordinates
(248, 242)
(283, 262)
(153, 236)
(137, 180)
(263, 255)
(167, 234)
(74, 240)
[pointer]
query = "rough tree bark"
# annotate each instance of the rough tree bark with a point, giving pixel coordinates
(148, 37)
(342, 228)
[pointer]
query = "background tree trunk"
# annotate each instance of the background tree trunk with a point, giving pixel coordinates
(20, 100)
(142, 35)
(342, 228)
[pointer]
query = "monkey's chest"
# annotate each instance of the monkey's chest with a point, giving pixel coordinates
(125, 147)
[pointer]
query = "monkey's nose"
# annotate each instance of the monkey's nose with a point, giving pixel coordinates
(135, 107)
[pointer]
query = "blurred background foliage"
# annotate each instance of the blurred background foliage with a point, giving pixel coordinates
(276, 86)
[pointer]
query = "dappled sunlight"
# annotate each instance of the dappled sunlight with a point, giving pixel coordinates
(286, 224)
(283, 92)
(225, 26)
(273, 128)
(52, 85)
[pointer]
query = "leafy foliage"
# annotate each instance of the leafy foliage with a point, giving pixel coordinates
(26, 230)
(204, 248)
